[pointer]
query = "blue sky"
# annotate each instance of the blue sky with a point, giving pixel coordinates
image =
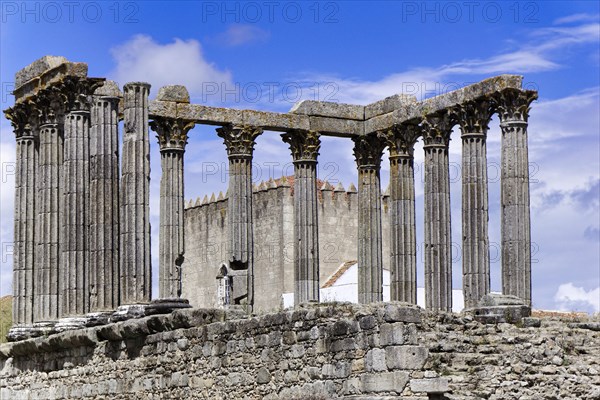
(267, 55)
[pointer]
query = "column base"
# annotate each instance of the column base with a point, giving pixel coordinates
(166, 306)
(129, 311)
(23, 332)
(496, 308)
(69, 324)
(98, 318)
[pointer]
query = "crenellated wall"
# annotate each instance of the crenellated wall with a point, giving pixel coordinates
(328, 351)
(206, 240)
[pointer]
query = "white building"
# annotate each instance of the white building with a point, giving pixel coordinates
(343, 286)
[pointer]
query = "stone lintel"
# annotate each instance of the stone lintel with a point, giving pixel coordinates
(223, 116)
(472, 92)
(415, 111)
(24, 89)
(337, 127)
(37, 68)
(329, 109)
(389, 104)
(330, 119)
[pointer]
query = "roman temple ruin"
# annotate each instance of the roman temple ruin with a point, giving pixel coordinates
(82, 231)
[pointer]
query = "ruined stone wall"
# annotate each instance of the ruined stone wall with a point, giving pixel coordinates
(318, 352)
(206, 242)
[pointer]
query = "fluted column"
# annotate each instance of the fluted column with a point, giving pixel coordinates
(240, 141)
(513, 108)
(51, 106)
(474, 118)
(172, 138)
(73, 291)
(438, 239)
(104, 199)
(304, 146)
(403, 261)
(368, 151)
(135, 272)
(25, 210)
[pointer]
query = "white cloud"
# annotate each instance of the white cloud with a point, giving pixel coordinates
(569, 297)
(241, 34)
(577, 18)
(179, 62)
(540, 52)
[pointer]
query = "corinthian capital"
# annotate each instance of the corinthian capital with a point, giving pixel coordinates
(304, 145)
(172, 133)
(23, 117)
(514, 104)
(239, 140)
(401, 139)
(436, 129)
(474, 116)
(50, 105)
(77, 92)
(368, 150)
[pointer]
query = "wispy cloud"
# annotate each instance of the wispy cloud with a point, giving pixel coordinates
(541, 51)
(571, 297)
(179, 62)
(242, 34)
(577, 18)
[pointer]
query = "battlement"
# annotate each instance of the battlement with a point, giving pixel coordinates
(286, 183)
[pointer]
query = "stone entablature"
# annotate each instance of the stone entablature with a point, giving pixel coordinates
(56, 105)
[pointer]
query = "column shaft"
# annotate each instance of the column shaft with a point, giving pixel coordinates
(171, 224)
(104, 204)
(438, 237)
(305, 146)
(474, 117)
(306, 235)
(74, 261)
(240, 143)
(368, 151)
(25, 207)
(49, 195)
(438, 257)
(403, 261)
(403, 284)
(475, 251)
(515, 221)
(135, 284)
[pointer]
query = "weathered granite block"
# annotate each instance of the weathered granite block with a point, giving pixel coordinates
(430, 385)
(384, 382)
(406, 357)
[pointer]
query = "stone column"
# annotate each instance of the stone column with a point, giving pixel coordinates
(135, 272)
(172, 138)
(438, 239)
(403, 263)
(51, 106)
(304, 146)
(513, 108)
(25, 209)
(74, 260)
(240, 141)
(474, 118)
(104, 199)
(368, 151)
